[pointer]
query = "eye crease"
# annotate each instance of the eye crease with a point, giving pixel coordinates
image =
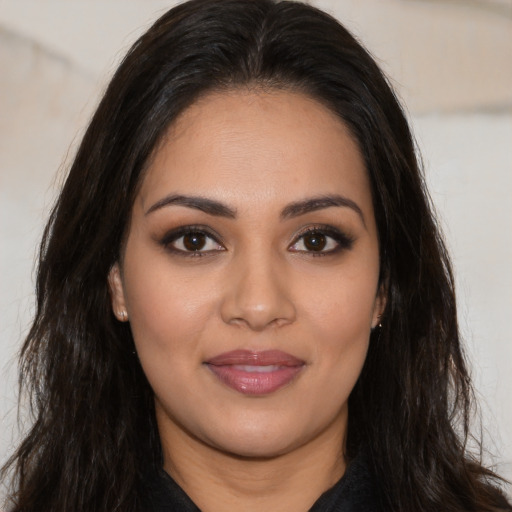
(199, 241)
(191, 241)
(195, 241)
(322, 241)
(314, 241)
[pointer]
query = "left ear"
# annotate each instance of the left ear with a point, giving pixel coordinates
(115, 284)
(379, 306)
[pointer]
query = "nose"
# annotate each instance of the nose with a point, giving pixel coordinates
(257, 295)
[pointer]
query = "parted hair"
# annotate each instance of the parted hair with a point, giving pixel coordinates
(94, 430)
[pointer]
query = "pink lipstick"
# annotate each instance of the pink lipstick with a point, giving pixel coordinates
(255, 373)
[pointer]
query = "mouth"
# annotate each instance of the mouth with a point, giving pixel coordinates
(255, 373)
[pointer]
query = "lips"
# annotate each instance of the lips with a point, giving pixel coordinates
(255, 373)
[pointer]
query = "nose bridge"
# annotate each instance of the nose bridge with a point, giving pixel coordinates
(256, 293)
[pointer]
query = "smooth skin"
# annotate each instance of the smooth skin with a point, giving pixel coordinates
(283, 254)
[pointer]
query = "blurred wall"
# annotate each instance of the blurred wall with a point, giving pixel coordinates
(451, 62)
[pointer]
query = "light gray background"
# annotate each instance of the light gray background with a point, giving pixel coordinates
(451, 62)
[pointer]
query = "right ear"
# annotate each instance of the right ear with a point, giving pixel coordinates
(115, 284)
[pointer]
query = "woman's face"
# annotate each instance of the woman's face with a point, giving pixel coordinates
(250, 273)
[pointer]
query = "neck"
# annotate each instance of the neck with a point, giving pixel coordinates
(219, 481)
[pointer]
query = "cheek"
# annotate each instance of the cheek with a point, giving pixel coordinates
(168, 310)
(342, 305)
(167, 320)
(339, 312)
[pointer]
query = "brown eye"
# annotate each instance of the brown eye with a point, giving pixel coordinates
(194, 241)
(191, 241)
(322, 241)
(314, 241)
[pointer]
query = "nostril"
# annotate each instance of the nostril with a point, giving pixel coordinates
(255, 297)
(262, 316)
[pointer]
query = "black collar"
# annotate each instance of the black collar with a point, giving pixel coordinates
(356, 491)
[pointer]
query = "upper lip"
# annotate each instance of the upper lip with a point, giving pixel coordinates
(255, 358)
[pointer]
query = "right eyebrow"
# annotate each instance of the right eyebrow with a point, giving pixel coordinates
(208, 206)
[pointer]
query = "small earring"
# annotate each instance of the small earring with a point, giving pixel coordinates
(123, 315)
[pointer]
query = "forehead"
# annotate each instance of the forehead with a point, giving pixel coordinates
(243, 146)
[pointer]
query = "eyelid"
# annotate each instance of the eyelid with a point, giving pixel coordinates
(344, 240)
(176, 233)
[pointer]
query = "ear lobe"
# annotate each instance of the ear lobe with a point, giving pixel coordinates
(380, 305)
(115, 284)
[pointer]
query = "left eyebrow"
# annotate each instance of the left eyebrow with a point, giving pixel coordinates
(319, 203)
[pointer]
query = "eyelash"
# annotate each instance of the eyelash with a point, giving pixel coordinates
(343, 241)
(174, 235)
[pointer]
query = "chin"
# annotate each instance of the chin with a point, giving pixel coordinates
(254, 448)
(257, 439)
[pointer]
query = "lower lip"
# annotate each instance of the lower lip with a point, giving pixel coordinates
(255, 382)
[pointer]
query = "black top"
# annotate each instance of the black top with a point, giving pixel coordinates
(356, 491)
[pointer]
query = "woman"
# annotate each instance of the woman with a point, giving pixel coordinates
(244, 302)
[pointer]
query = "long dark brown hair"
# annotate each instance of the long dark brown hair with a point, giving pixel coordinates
(94, 429)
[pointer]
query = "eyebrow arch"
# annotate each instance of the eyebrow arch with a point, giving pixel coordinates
(294, 209)
(319, 203)
(208, 206)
